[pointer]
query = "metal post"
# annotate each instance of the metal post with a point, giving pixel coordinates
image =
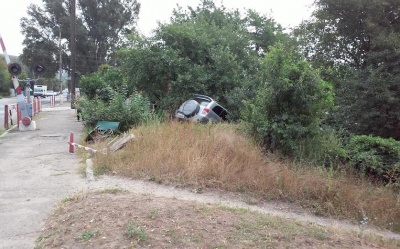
(6, 117)
(73, 52)
(60, 66)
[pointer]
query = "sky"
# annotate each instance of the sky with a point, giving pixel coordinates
(288, 13)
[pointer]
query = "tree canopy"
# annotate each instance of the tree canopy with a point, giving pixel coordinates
(100, 29)
(357, 44)
(5, 80)
(208, 49)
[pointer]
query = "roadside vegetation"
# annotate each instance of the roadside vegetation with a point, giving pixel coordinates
(289, 136)
(221, 157)
(314, 113)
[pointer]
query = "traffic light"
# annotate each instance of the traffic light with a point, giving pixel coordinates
(14, 69)
(39, 68)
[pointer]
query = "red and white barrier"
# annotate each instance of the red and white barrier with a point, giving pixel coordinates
(72, 145)
(6, 57)
(14, 109)
(9, 110)
(15, 69)
(37, 105)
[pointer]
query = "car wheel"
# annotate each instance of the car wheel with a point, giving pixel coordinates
(190, 107)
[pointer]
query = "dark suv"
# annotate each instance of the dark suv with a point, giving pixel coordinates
(201, 108)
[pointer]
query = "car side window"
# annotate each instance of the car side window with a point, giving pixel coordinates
(221, 112)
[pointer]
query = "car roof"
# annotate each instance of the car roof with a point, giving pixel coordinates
(204, 97)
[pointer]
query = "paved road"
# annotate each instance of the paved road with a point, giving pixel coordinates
(36, 172)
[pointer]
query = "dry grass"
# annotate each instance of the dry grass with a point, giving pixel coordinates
(218, 156)
(118, 219)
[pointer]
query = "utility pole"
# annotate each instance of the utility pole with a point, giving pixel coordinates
(60, 67)
(73, 52)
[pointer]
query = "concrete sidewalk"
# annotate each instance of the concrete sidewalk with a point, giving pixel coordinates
(36, 173)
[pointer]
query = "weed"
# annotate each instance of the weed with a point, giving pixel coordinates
(100, 170)
(134, 231)
(110, 191)
(197, 236)
(242, 188)
(153, 213)
(234, 210)
(173, 235)
(250, 200)
(42, 237)
(87, 235)
(68, 199)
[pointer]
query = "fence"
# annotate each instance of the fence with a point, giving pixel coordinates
(12, 113)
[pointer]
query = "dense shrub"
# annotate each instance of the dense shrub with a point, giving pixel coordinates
(129, 112)
(102, 83)
(326, 149)
(289, 107)
(376, 157)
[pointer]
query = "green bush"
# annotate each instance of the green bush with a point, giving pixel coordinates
(376, 157)
(326, 148)
(129, 112)
(290, 106)
(102, 83)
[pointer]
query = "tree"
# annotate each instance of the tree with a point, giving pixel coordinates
(5, 80)
(350, 32)
(360, 40)
(291, 105)
(208, 50)
(100, 29)
(264, 31)
(103, 83)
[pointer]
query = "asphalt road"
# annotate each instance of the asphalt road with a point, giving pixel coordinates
(36, 172)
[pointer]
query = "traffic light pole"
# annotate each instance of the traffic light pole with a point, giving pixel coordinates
(73, 52)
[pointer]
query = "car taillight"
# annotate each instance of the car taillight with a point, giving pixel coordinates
(205, 111)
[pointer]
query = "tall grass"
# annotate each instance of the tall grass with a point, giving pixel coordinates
(219, 156)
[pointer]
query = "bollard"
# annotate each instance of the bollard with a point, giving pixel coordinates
(6, 117)
(71, 143)
(19, 115)
(52, 101)
(34, 106)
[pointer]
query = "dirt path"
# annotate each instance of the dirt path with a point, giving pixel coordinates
(37, 173)
(275, 208)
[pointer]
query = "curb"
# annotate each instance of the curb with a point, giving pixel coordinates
(89, 170)
(7, 131)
